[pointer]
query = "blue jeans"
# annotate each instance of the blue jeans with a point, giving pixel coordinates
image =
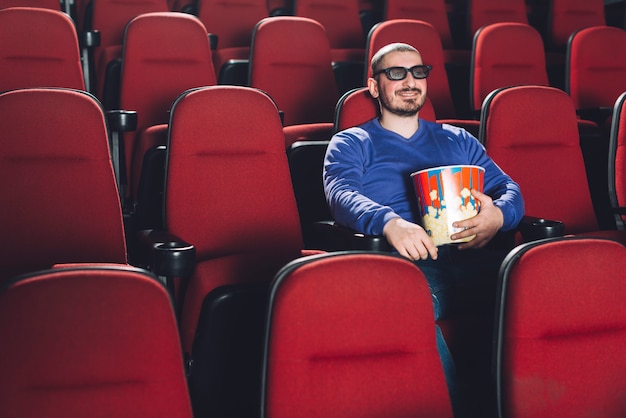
(460, 282)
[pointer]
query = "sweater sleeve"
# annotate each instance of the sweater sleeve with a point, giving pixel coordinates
(344, 165)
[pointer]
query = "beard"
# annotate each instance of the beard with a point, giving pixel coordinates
(407, 108)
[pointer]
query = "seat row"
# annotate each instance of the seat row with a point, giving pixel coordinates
(334, 335)
(203, 137)
(153, 73)
(227, 186)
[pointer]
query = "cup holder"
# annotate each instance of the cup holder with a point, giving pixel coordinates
(539, 228)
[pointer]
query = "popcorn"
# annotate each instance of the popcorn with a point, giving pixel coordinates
(445, 204)
(438, 222)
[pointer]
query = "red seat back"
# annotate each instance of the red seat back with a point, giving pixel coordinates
(290, 60)
(543, 156)
(233, 22)
(90, 341)
(432, 11)
(110, 17)
(56, 168)
(165, 53)
(569, 16)
(342, 23)
(503, 55)
(561, 330)
(39, 48)
(228, 191)
(352, 334)
(596, 66)
(486, 12)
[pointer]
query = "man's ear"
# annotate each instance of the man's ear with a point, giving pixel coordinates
(372, 86)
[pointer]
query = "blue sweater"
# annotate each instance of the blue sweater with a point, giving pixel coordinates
(367, 173)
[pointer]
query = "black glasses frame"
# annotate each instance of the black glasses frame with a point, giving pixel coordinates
(418, 72)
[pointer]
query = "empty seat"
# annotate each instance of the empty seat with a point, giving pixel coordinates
(109, 18)
(290, 60)
(352, 334)
(232, 23)
(165, 53)
(503, 55)
(568, 16)
(544, 156)
(596, 70)
(97, 341)
(342, 23)
(61, 203)
(486, 12)
(434, 12)
(228, 191)
(39, 48)
(561, 330)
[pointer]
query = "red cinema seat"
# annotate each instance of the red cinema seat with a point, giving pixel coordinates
(352, 334)
(436, 13)
(503, 55)
(228, 192)
(61, 203)
(561, 330)
(342, 23)
(486, 12)
(568, 16)
(291, 61)
(596, 71)
(109, 18)
(98, 341)
(165, 53)
(544, 157)
(232, 22)
(39, 48)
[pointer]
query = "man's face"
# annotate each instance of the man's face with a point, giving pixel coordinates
(400, 97)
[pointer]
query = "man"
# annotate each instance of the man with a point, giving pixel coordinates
(368, 187)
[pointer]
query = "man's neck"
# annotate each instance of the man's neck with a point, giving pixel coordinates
(406, 126)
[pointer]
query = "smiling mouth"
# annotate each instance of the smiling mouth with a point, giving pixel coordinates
(409, 93)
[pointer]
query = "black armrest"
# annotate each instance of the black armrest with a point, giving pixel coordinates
(234, 72)
(213, 41)
(88, 41)
(168, 255)
(335, 237)
(118, 122)
(533, 228)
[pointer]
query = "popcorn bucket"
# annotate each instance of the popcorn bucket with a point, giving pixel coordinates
(444, 197)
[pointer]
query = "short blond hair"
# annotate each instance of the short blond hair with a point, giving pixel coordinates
(382, 53)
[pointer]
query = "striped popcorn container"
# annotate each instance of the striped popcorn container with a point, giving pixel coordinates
(444, 197)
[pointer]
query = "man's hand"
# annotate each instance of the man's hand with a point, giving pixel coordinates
(409, 239)
(485, 225)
